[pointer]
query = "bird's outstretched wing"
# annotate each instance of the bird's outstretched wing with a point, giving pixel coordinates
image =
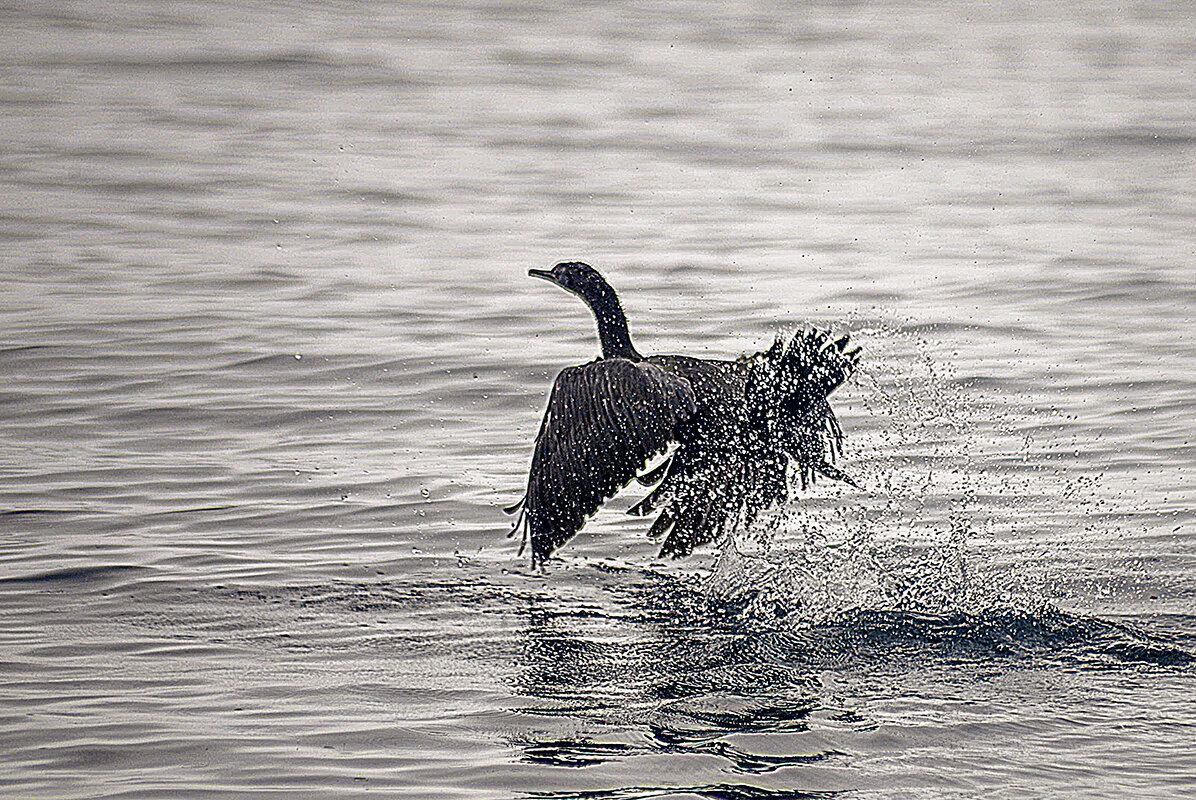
(604, 421)
(758, 413)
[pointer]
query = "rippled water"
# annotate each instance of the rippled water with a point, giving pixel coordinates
(272, 364)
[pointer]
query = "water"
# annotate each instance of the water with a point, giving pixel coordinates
(272, 363)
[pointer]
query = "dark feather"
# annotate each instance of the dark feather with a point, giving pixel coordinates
(653, 476)
(604, 421)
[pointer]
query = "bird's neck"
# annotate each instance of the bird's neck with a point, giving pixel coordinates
(613, 333)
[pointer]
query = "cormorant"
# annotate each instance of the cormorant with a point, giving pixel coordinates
(736, 425)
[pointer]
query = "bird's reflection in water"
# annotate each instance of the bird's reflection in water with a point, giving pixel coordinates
(665, 676)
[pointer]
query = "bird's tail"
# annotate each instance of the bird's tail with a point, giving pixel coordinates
(786, 403)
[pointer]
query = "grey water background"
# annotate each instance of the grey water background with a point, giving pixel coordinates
(270, 364)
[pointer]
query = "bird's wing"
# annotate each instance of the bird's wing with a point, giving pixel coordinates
(604, 421)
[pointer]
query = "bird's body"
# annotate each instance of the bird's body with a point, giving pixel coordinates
(736, 425)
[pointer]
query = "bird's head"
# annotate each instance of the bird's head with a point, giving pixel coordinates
(574, 276)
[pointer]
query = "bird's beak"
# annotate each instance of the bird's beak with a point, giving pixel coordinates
(541, 273)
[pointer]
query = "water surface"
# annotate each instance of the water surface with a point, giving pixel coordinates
(272, 364)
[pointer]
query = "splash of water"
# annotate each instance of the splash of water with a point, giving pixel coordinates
(909, 541)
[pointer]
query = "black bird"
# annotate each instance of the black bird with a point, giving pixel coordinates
(736, 425)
